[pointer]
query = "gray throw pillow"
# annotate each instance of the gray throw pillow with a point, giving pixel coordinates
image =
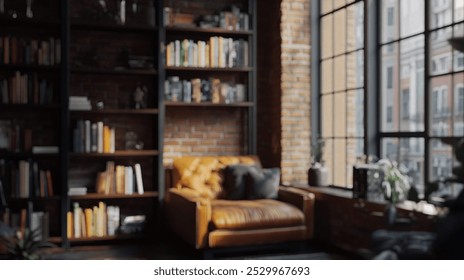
(263, 183)
(234, 183)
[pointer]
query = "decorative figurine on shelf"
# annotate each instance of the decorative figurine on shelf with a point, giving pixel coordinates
(132, 141)
(139, 96)
(29, 13)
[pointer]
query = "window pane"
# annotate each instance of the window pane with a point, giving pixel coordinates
(412, 17)
(355, 113)
(440, 13)
(355, 70)
(328, 158)
(339, 3)
(440, 160)
(440, 106)
(327, 36)
(339, 165)
(355, 26)
(458, 10)
(389, 20)
(354, 150)
(390, 149)
(340, 73)
(412, 157)
(389, 89)
(440, 51)
(327, 115)
(458, 128)
(326, 6)
(412, 83)
(340, 32)
(327, 76)
(340, 114)
(458, 56)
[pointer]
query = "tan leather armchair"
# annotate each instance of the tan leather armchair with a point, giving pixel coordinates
(196, 213)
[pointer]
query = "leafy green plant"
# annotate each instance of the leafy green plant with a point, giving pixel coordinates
(26, 247)
(396, 183)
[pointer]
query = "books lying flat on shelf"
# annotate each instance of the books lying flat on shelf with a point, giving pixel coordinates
(79, 103)
(45, 149)
(77, 191)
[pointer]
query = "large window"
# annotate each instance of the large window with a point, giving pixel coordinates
(342, 86)
(419, 92)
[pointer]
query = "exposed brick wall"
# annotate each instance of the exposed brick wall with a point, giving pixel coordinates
(295, 119)
(202, 131)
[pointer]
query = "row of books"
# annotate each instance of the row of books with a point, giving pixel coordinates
(27, 221)
(93, 137)
(27, 180)
(25, 89)
(98, 221)
(216, 52)
(197, 90)
(120, 179)
(14, 50)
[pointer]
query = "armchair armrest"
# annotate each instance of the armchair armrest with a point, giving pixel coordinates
(304, 201)
(188, 215)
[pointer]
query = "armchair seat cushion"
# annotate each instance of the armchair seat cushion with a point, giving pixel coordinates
(254, 214)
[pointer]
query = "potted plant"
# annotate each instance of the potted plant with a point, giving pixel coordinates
(396, 186)
(25, 247)
(318, 174)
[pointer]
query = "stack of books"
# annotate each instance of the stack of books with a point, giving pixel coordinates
(79, 103)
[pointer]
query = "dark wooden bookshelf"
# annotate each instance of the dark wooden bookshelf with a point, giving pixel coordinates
(116, 112)
(45, 107)
(24, 155)
(208, 69)
(131, 153)
(24, 199)
(209, 31)
(29, 23)
(208, 104)
(55, 239)
(92, 71)
(85, 26)
(97, 196)
(105, 238)
(29, 67)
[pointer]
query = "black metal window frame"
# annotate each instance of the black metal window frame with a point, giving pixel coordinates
(373, 133)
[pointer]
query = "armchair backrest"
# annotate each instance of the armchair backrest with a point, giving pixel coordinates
(203, 174)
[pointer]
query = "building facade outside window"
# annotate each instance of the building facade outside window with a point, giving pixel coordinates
(420, 88)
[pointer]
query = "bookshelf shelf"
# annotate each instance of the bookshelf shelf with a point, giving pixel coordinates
(29, 67)
(117, 112)
(208, 69)
(208, 31)
(104, 238)
(208, 104)
(112, 27)
(96, 196)
(28, 23)
(34, 107)
(23, 155)
(147, 72)
(20, 199)
(55, 239)
(132, 153)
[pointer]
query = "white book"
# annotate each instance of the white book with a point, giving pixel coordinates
(77, 220)
(129, 180)
(100, 137)
(112, 140)
(138, 177)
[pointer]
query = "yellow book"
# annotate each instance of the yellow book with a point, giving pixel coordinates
(82, 221)
(120, 179)
(70, 224)
(106, 139)
(89, 222)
